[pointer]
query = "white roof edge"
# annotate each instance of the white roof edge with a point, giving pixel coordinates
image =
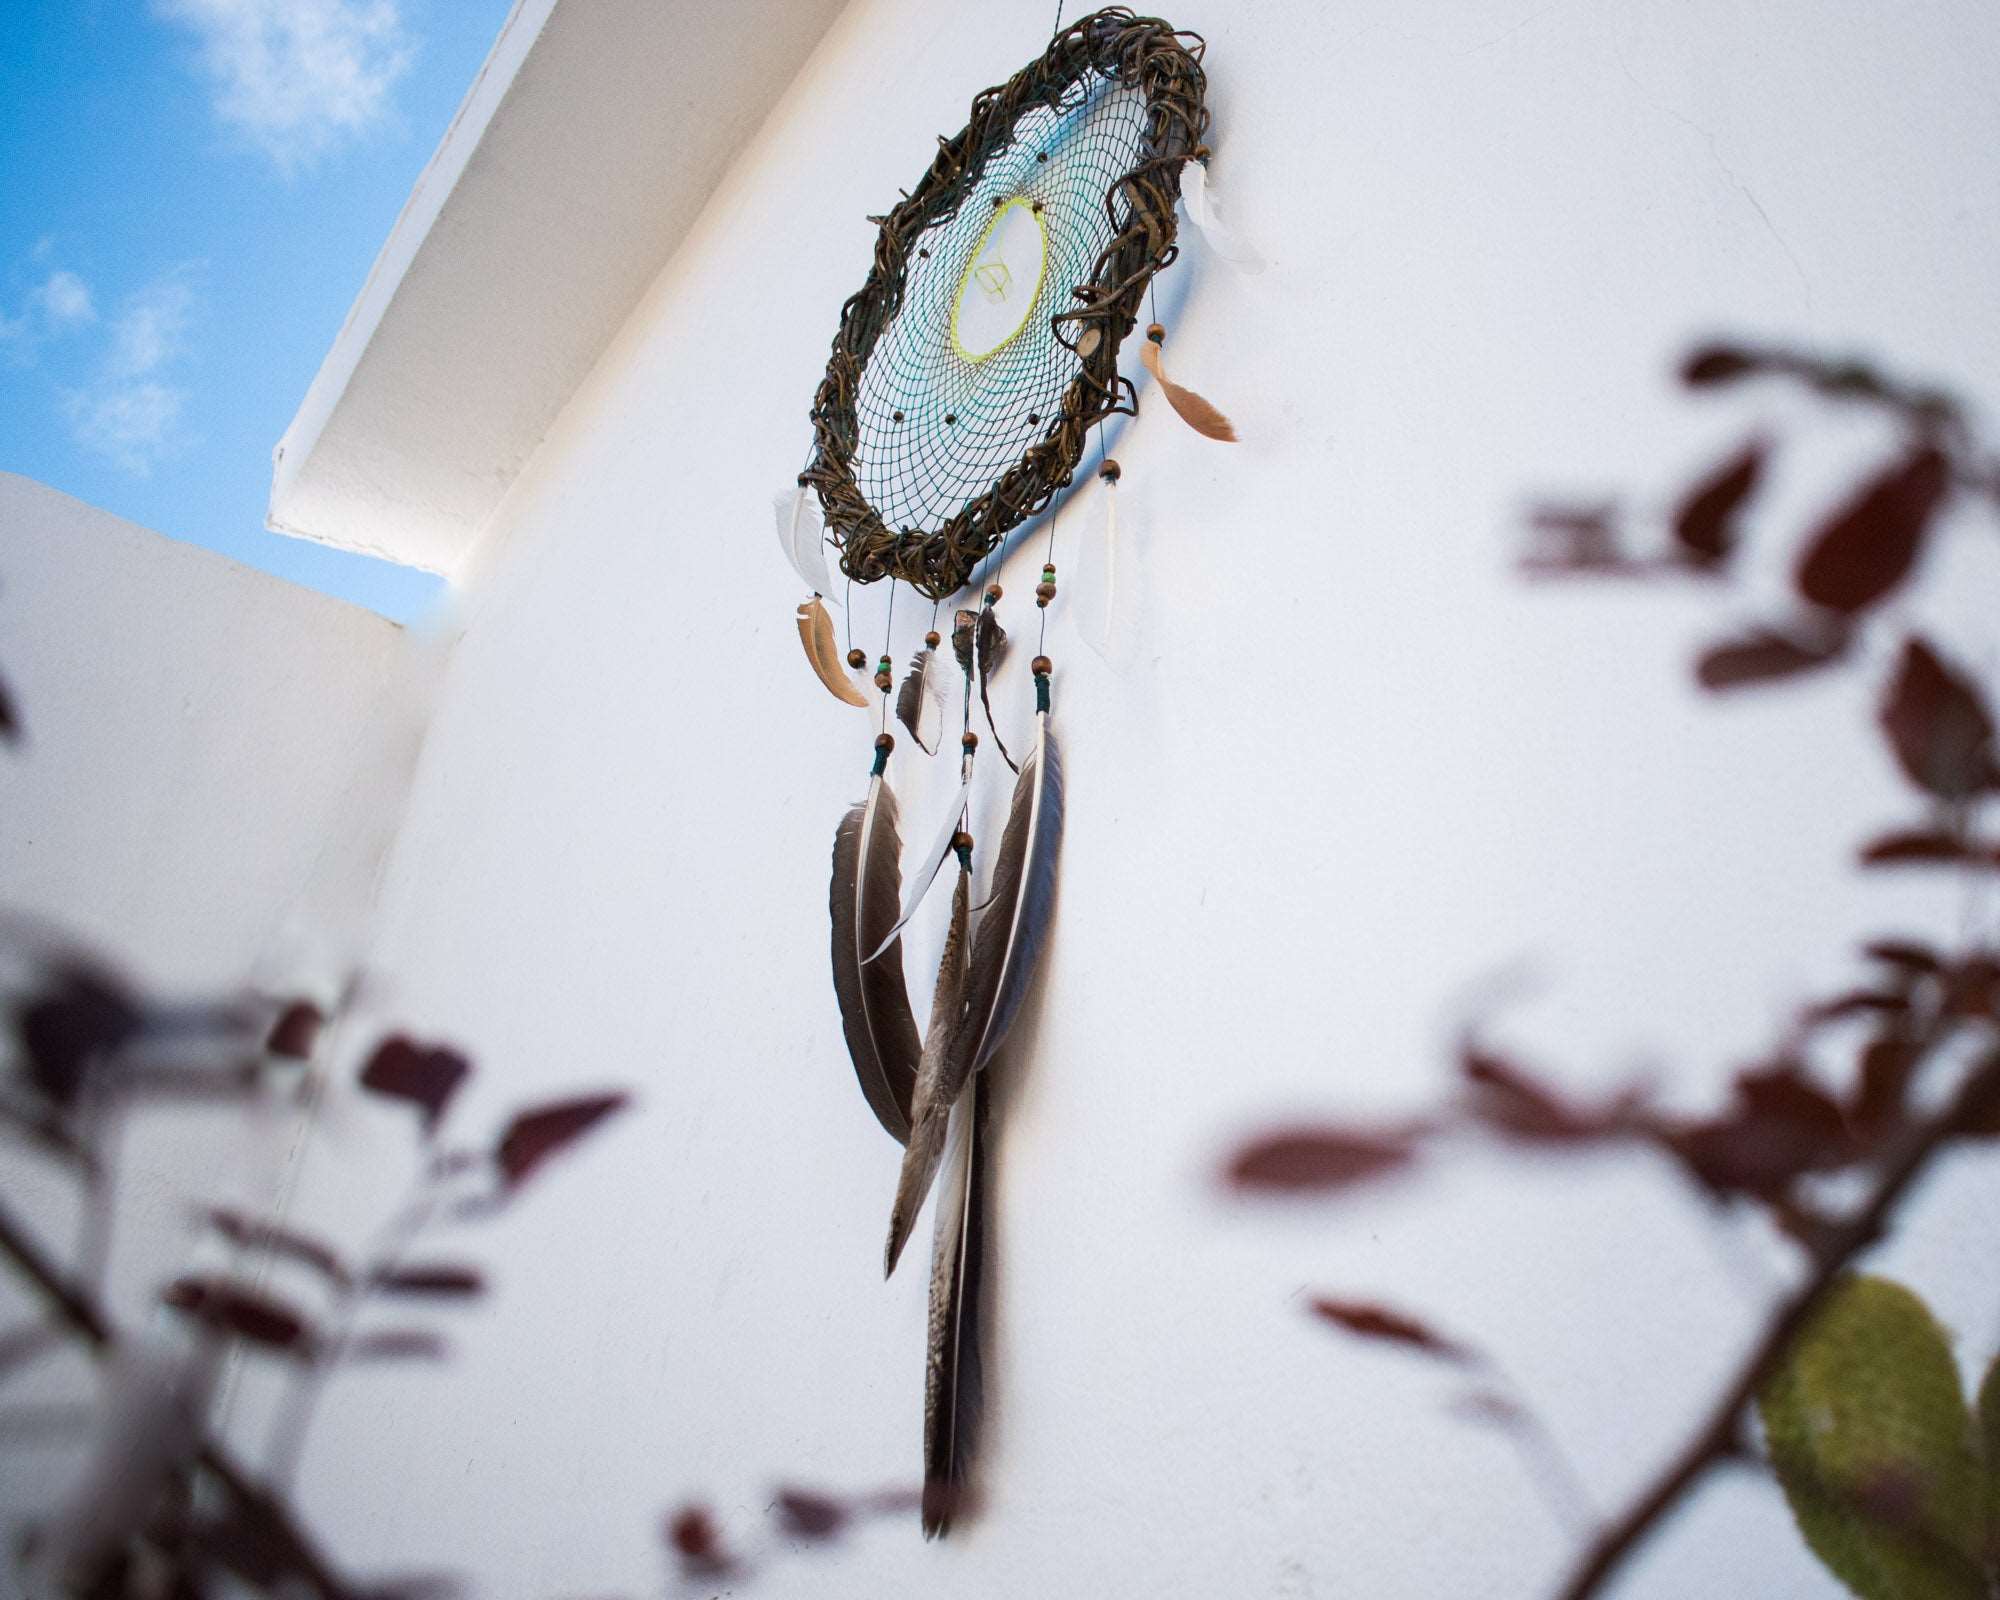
(584, 150)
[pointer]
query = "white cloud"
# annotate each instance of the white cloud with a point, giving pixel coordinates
(65, 300)
(298, 77)
(131, 415)
(132, 425)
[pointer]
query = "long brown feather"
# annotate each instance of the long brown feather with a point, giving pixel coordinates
(816, 634)
(874, 1002)
(1021, 900)
(1196, 412)
(953, 1376)
(931, 1103)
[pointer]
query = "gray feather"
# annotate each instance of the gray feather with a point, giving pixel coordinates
(930, 1105)
(953, 1379)
(920, 702)
(1015, 924)
(874, 1002)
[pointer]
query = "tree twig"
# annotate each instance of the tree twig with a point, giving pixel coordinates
(80, 1314)
(1719, 1438)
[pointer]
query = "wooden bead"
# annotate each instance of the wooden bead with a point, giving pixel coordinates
(1157, 333)
(1041, 666)
(857, 659)
(970, 741)
(993, 594)
(884, 682)
(1045, 592)
(885, 741)
(1110, 472)
(931, 640)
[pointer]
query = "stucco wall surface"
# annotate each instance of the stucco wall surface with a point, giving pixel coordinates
(1344, 775)
(213, 764)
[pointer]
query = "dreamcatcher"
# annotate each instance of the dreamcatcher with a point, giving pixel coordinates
(964, 380)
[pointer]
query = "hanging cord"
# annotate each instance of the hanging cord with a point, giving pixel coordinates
(885, 669)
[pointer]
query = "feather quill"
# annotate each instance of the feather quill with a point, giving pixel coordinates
(1196, 412)
(953, 1387)
(874, 1002)
(1222, 239)
(991, 640)
(927, 866)
(920, 702)
(801, 539)
(822, 650)
(1019, 904)
(930, 1105)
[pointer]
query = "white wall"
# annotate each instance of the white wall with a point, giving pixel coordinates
(1347, 768)
(215, 761)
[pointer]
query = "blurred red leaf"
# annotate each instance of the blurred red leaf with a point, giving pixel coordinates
(1868, 546)
(1314, 1160)
(296, 1031)
(1972, 988)
(1904, 953)
(428, 1077)
(1765, 655)
(1938, 726)
(1882, 1082)
(1857, 1003)
(1713, 364)
(252, 1234)
(80, 1019)
(247, 1314)
(807, 1515)
(1780, 1127)
(1508, 1100)
(1392, 1327)
(692, 1533)
(397, 1344)
(533, 1136)
(1923, 847)
(430, 1279)
(1705, 522)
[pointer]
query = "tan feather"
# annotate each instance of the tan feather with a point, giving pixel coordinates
(931, 1103)
(1196, 412)
(823, 651)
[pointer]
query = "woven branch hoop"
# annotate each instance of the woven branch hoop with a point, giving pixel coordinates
(1137, 53)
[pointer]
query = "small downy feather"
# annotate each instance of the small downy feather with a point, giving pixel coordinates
(1196, 412)
(802, 540)
(920, 702)
(991, 639)
(1223, 240)
(823, 651)
(1020, 901)
(953, 1386)
(930, 1105)
(924, 874)
(874, 1002)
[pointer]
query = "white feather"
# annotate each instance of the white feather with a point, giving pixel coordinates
(803, 540)
(1224, 241)
(926, 871)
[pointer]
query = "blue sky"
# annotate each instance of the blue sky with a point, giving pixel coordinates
(191, 192)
